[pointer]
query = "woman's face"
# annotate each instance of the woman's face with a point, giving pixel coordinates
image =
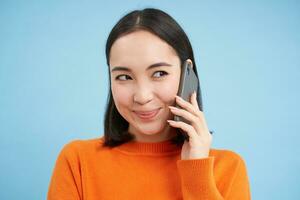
(145, 74)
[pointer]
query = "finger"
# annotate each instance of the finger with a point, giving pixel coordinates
(194, 100)
(183, 113)
(187, 106)
(184, 126)
(196, 122)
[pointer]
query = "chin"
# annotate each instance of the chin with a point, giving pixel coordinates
(149, 129)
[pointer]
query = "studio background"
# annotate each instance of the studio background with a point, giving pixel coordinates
(54, 84)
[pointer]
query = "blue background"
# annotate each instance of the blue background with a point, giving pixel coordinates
(53, 84)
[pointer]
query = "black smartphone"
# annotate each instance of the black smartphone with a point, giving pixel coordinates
(187, 85)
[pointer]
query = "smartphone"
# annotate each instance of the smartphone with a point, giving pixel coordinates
(187, 85)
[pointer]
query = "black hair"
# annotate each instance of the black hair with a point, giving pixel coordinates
(165, 27)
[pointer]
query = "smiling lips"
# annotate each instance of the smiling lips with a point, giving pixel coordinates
(147, 114)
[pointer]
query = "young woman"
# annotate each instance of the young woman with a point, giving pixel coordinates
(143, 154)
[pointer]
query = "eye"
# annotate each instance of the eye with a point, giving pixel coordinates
(122, 79)
(160, 74)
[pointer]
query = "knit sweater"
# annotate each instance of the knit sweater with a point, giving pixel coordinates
(86, 170)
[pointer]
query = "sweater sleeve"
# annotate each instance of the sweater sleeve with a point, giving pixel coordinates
(66, 178)
(198, 181)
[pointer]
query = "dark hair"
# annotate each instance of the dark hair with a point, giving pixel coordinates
(165, 27)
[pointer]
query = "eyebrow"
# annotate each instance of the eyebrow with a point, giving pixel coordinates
(121, 68)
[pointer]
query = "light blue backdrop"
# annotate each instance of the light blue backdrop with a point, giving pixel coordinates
(53, 84)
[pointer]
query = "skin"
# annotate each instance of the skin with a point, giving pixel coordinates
(140, 88)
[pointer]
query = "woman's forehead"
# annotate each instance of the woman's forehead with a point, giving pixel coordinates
(140, 46)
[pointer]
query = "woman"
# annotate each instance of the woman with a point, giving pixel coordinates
(143, 154)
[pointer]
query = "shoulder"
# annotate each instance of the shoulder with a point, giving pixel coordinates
(229, 166)
(82, 146)
(227, 158)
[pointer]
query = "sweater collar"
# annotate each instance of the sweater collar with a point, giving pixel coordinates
(149, 148)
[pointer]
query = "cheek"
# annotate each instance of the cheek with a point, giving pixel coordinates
(121, 96)
(168, 90)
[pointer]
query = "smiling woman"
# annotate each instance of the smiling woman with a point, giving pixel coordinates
(143, 154)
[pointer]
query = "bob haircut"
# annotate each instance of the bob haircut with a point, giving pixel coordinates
(166, 28)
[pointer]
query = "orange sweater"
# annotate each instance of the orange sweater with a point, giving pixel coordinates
(86, 170)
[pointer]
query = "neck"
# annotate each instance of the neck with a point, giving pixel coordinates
(166, 134)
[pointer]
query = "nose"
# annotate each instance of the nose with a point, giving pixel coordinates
(143, 94)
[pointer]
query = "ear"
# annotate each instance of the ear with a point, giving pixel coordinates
(190, 61)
